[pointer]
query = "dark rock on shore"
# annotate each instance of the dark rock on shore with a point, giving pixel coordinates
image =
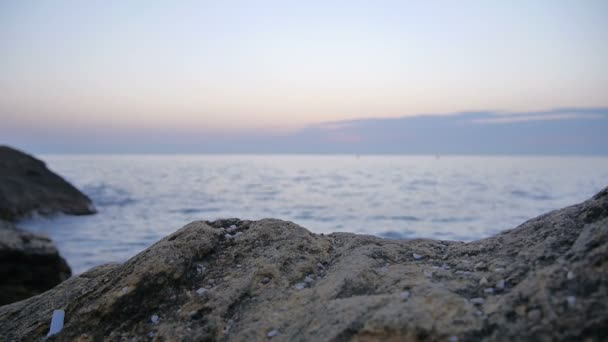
(27, 186)
(239, 280)
(29, 264)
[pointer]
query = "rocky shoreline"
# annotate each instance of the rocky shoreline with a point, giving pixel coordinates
(240, 280)
(30, 263)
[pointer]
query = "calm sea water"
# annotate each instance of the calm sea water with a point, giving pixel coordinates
(142, 198)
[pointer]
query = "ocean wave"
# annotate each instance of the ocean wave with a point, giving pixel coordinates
(104, 195)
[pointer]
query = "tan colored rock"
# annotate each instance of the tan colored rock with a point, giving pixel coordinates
(356, 294)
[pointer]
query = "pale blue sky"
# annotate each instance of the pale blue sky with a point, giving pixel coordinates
(236, 66)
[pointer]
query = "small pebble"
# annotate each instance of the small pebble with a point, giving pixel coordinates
(308, 279)
(483, 281)
(476, 301)
(570, 275)
(238, 234)
(265, 280)
(320, 265)
(534, 315)
(480, 266)
(499, 269)
(571, 301)
(417, 256)
(500, 284)
(428, 273)
(238, 266)
(405, 294)
(272, 333)
(489, 290)
(154, 319)
(201, 291)
(232, 226)
(453, 339)
(300, 286)
(124, 289)
(151, 334)
(461, 272)
(228, 236)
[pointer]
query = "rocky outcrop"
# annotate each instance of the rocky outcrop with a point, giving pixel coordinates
(256, 280)
(29, 264)
(27, 186)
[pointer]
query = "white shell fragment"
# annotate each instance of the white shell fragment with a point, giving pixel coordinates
(56, 322)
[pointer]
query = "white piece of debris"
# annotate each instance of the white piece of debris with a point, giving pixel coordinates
(500, 284)
(300, 286)
(571, 301)
(154, 319)
(417, 256)
(272, 333)
(570, 275)
(201, 291)
(405, 294)
(56, 322)
(476, 301)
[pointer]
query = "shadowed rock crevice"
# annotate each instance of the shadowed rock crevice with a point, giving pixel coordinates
(239, 280)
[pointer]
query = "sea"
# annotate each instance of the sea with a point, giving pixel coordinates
(142, 198)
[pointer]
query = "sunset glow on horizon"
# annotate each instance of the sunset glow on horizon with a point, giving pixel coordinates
(279, 65)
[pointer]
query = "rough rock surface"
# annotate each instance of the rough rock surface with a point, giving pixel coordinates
(544, 280)
(27, 186)
(29, 264)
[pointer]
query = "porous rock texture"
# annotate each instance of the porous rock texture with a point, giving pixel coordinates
(542, 281)
(29, 264)
(27, 186)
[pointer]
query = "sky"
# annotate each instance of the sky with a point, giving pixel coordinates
(140, 75)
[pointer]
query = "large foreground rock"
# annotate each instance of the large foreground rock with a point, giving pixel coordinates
(27, 186)
(544, 280)
(29, 264)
